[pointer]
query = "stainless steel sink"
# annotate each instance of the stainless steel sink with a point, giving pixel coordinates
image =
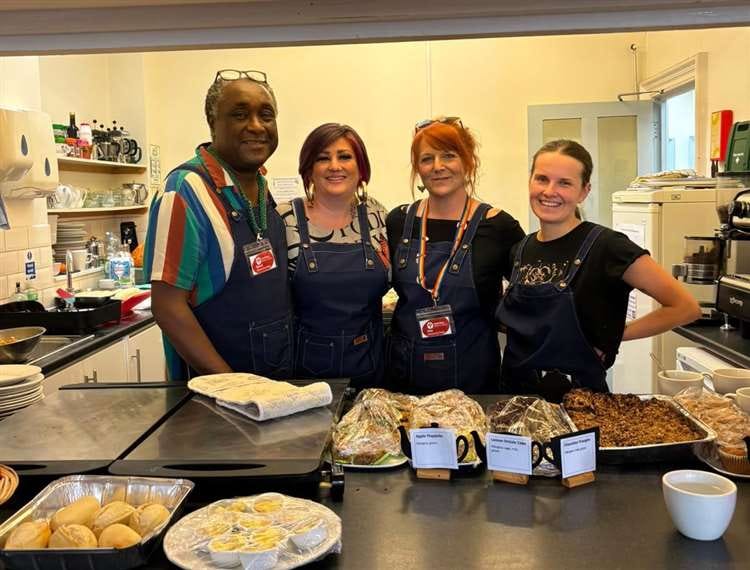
(52, 344)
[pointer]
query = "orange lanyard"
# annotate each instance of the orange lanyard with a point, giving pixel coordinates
(462, 225)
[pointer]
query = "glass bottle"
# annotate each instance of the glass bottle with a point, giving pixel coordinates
(30, 292)
(72, 128)
(18, 295)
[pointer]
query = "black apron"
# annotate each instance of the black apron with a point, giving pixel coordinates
(249, 322)
(547, 353)
(467, 360)
(338, 293)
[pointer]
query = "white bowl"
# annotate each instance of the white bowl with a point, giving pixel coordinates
(670, 382)
(700, 503)
(727, 380)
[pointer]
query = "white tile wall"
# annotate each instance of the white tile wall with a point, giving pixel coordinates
(39, 235)
(17, 237)
(9, 263)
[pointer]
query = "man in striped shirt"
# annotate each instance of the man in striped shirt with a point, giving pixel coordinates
(216, 248)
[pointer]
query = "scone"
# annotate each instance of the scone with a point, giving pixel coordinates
(118, 536)
(80, 512)
(148, 517)
(112, 513)
(73, 536)
(29, 535)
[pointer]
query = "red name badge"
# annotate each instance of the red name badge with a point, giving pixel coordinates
(436, 327)
(260, 257)
(436, 321)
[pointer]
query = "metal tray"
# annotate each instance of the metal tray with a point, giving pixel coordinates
(657, 452)
(135, 490)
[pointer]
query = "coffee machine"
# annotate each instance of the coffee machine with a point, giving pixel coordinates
(700, 268)
(733, 207)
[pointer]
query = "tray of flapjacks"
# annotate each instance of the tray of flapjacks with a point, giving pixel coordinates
(637, 428)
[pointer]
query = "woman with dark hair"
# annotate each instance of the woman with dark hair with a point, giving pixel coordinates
(450, 253)
(568, 295)
(338, 260)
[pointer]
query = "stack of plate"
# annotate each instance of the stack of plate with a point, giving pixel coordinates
(70, 235)
(20, 386)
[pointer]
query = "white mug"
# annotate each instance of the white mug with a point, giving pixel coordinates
(742, 397)
(727, 380)
(81, 259)
(670, 382)
(700, 503)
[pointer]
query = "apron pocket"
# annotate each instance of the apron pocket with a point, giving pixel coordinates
(398, 361)
(317, 354)
(271, 347)
(434, 367)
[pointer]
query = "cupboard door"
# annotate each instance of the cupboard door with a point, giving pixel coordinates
(146, 362)
(72, 374)
(107, 365)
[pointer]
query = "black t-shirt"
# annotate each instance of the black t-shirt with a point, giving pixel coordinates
(601, 295)
(490, 252)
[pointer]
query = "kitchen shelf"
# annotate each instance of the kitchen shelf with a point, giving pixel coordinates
(87, 211)
(70, 164)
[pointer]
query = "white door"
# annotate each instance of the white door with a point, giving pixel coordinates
(146, 362)
(622, 138)
(107, 365)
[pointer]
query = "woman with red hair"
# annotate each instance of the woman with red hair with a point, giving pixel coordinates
(450, 254)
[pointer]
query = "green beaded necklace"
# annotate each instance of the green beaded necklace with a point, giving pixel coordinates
(257, 226)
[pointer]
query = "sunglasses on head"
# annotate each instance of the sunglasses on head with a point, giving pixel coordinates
(234, 74)
(446, 120)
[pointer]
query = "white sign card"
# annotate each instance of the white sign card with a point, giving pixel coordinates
(578, 454)
(286, 189)
(509, 453)
(29, 265)
(433, 448)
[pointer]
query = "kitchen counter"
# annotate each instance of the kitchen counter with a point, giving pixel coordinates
(727, 345)
(101, 337)
(392, 520)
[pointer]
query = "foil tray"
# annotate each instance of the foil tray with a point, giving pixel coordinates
(135, 490)
(657, 452)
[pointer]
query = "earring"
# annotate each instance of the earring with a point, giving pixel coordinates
(310, 192)
(420, 188)
(362, 192)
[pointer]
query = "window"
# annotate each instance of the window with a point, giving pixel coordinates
(678, 129)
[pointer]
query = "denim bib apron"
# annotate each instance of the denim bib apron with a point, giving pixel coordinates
(468, 359)
(338, 293)
(249, 321)
(545, 341)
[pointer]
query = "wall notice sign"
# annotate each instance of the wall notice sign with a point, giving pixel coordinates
(509, 453)
(29, 265)
(433, 448)
(286, 188)
(154, 165)
(578, 454)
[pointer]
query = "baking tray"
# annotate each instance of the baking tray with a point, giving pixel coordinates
(658, 451)
(81, 321)
(135, 490)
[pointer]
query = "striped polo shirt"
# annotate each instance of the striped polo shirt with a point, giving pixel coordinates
(189, 241)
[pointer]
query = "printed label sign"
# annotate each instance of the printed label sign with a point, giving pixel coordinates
(578, 454)
(433, 448)
(509, 453)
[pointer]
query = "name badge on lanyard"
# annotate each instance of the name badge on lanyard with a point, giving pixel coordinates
(260, 257)
(436, 321)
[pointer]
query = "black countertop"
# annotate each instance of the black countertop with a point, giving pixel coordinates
(103, 336)
(727, 345)
(393, 520)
